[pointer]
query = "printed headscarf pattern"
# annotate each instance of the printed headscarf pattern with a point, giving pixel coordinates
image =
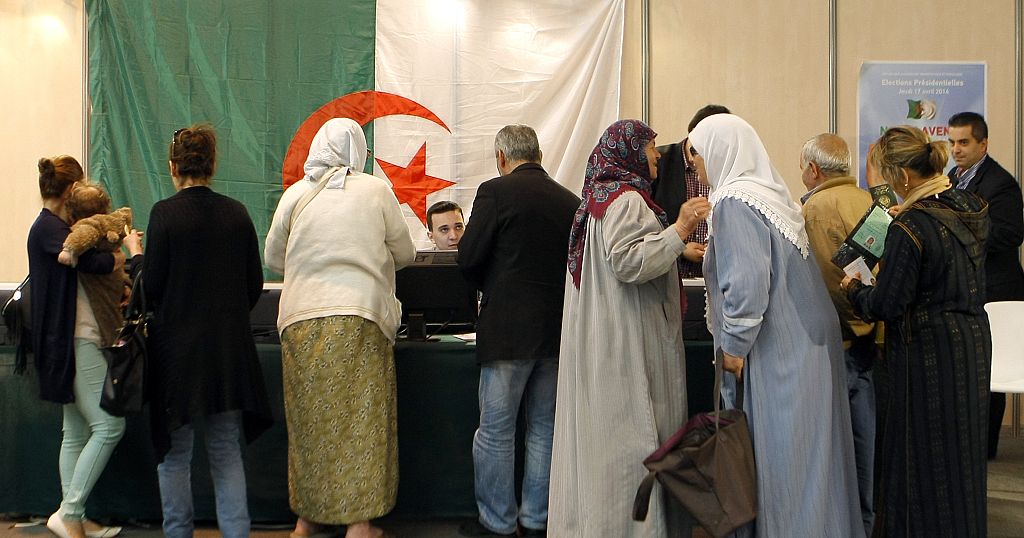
(617, 165)
(738, 167)
(340, 143)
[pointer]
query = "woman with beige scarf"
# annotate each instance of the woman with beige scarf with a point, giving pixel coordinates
(929, 293)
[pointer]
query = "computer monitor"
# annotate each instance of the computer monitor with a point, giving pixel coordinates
(435, 298)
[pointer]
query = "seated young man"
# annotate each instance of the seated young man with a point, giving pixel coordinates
(445, 225)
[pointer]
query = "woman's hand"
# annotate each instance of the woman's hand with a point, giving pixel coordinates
(733, 364)
(68, 258)
(845, 284)
(694, 252)
(133, 242)
(691, 213)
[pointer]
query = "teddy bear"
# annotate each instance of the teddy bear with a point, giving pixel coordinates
(101, 231)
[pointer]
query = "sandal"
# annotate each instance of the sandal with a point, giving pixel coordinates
(317, 534)
(103, 532)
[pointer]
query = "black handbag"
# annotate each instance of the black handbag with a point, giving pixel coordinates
(18, 320)
(124, 386)
(707, 467)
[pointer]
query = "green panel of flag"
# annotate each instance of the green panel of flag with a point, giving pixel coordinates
(253, 69)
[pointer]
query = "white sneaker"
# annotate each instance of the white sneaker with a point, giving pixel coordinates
(56, 525)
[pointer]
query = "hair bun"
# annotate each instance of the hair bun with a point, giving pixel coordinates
(194, 151)
(46, 168)
(185, 137)
(192, 140)
(938, 155)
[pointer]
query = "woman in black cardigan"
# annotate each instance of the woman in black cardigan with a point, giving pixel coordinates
(202, 275)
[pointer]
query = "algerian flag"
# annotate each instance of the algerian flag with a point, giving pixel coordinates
(432, 81)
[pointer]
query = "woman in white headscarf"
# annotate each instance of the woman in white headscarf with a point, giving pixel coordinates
(771, 318)
(338, 236)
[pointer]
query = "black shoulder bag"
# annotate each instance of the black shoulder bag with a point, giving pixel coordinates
(18, 320)
(124, 387)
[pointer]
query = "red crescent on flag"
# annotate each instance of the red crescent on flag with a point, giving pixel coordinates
(363, 107)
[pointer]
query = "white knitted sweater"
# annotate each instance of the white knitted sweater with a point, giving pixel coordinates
(341, 256)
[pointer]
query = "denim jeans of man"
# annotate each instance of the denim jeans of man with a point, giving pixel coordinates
(861, 391)
(90, 433)
(503, 385)
(225, 454)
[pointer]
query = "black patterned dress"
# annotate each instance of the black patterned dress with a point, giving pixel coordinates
(930, 293)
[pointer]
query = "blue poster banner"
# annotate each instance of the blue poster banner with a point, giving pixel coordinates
(922, 94)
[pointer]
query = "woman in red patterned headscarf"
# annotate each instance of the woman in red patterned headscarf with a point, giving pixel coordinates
(621, 376)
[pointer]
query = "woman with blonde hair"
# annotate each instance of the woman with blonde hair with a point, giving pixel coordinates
(938, 346)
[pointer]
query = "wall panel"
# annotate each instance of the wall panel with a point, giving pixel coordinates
(41, 59)
(942, 31)
(767, 61)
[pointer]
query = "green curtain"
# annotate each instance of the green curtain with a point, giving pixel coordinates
(253, 69)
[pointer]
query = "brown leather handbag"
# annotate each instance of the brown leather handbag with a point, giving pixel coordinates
(708, 467)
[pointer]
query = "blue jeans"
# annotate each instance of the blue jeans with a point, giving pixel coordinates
(861, 391)
(503, 385)
(225, 454)
(90, 433)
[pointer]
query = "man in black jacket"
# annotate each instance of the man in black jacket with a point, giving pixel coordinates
(978, 173)
(676, 183)
(514, 251)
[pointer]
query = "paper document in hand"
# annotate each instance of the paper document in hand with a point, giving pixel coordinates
(866, 241)
(870, 234)
(859, 266)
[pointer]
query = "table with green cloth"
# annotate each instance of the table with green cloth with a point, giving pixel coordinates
(437, 415)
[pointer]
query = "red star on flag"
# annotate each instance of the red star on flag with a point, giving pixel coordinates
(412, 184)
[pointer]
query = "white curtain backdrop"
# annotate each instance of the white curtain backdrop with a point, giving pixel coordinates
(480, 65)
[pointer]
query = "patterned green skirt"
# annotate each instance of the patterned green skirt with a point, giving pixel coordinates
(339, 401)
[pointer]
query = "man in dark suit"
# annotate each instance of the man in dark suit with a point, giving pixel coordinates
(676, 183)
(978, 173)
(514, 251)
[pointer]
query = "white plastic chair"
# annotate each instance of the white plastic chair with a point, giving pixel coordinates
(1007, 320)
